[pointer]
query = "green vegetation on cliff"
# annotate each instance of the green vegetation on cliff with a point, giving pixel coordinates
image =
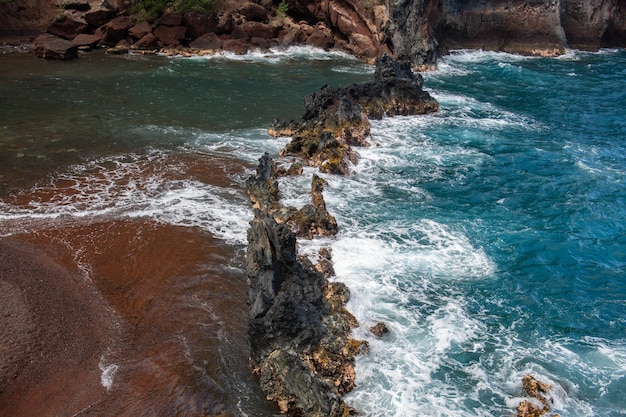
(151, 10)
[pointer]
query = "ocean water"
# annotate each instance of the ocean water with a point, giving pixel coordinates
(490, 237)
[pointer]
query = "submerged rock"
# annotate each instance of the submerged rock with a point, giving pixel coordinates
(541, 391)
(337, 119)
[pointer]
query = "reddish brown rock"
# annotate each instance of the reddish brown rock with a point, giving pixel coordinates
(585, 23)
(67, 26)
(170, 35)
(225, 22)
(48, 46)
(379, 329)
(239, 34)
(237, 46)
(258, 30)
(147, 42)
(86, 40)
(208, 41)
(321, 37)
(117, 29)
(122, 48)
(254, 13)
(80, 5)
(199, 23)
(540, 391)
(260, 43)
(171, 19)
(294, 37)
(100, 16)
(140, 30)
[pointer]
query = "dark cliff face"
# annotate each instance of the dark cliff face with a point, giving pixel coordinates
(537, 27)
(410, 30)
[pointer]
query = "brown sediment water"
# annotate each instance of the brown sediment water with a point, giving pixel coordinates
(124, 316)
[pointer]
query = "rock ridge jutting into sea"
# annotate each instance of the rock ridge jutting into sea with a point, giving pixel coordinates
(299, 329)
(415, 30)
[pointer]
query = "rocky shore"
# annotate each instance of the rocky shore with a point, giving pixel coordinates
(419, 31)
(299, 328)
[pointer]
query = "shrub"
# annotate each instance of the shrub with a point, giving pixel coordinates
(151, 10)
(282, 9)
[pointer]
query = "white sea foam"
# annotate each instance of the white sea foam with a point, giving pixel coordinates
(441, 358)
(108, 373)
(131, 186)
(277, 54)
(474, 56)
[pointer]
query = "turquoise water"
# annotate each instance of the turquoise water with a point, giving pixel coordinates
(490, 237)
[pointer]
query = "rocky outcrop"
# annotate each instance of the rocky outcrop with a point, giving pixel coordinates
(300, 348)
(299, 328)
(539, 391)
(337, 119)
(415, 30)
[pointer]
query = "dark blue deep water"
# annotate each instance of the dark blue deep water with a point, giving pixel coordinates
(490, 237)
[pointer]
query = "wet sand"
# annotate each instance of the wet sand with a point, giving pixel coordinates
(163, 307)
(53, 332)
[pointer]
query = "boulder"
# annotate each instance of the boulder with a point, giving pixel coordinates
(379, 329)
(122, 48)
(321, 37)
(85, 40)
(238, 33)
(170, 35)
(238, 46)
(80, 5)
(171, 19)
(140, 30)
(116, 30)
(540, 391)
(199, 24)
(260, 43)
(48, 46)
(100, 16)
(148, 42)
(225, 22)
(208, 41)
(67, 26)
(258, 30)
(324, 264)
(295, 36)
(253, 12)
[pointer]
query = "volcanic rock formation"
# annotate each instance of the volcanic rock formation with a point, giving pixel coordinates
(336, 120)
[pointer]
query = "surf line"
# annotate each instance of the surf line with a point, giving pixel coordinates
(299, 328)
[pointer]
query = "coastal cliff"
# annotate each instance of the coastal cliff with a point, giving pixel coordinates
(416, 30)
